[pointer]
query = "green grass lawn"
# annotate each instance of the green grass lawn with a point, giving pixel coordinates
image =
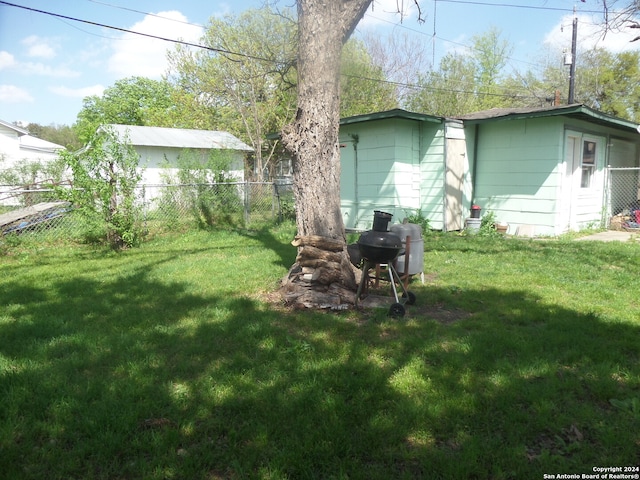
(519, 358)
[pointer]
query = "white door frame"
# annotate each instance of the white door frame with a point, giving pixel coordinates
(576, 201)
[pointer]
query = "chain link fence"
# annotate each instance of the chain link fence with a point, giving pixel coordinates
(623, 198)
(41, 214)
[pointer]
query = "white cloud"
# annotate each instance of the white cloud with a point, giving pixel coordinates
(13, 94)
(460, 45)
(92, 54)
(39, 47)
(389, 12)
(31, 68)
(6, 60)
(77, 92)
(139, 55)
(589, 36)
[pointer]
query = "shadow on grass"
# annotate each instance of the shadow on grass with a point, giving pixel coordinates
(283, 249)
(624, 254)
(136, 378)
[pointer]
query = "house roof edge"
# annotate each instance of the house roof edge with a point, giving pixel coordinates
(576, 110)
(169, 137)
(20, 131)
(394, 113)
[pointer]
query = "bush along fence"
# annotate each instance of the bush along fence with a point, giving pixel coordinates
(45, 214)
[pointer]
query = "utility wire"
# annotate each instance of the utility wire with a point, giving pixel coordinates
(414, 86)
(252, 57)
(531, 7)
(442, 39)
(145, 13)
(148, 35)
(401, 25)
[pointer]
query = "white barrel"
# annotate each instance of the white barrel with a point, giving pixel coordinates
(416, 247)
(473, 225)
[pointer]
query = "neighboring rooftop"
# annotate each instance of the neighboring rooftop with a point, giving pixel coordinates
(20, 131)
(37, 144)
(179, 137)
(576, 110)
(30, 142)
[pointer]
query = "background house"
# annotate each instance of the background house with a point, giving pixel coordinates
(159, 148)
(544, 171)
(19, 155)
(17, 146)
(402, 162)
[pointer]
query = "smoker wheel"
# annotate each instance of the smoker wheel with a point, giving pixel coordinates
(411, 298)
(396, 310)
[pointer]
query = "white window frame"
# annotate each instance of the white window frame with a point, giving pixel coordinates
(588, 161)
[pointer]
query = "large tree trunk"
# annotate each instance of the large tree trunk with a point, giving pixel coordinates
(322, 275)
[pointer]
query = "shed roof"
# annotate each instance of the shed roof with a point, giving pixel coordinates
(577, 110)
(395, 113)
(369, 117)
(178, 137)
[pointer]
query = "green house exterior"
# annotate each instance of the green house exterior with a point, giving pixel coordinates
(396, 162)
(543, 171)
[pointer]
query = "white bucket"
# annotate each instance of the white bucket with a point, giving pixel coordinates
(473, 225)
(416, 252)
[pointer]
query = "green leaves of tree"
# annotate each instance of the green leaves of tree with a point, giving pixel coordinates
(363, 86)
(475, 79)
(105, 176)
(131, 101)
(249, 89)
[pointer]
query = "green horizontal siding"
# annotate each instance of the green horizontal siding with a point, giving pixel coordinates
(432, 173)
(398, 164)
(518, 173)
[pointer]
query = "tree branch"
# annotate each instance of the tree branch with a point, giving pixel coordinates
(352, 13)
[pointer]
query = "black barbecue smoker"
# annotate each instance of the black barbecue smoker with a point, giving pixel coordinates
(379, 246)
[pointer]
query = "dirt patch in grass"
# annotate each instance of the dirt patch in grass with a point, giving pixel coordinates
(380, 298)
(559, 444)
(439, 312)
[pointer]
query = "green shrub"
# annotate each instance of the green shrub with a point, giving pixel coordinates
(210, 195)
(488, 225)
(287, 207)
(105, 177)
(418, 218)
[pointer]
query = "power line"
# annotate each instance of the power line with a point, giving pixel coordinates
(442, 39)
(510, 5)
(252, 57)
(414, 86)
(148, 35)
(145, 13)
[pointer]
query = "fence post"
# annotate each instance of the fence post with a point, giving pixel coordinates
(274, 199)
(246, 203)
(145, 208)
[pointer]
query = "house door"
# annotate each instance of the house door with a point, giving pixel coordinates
(569, 167)
(582, 181)
(456, 165)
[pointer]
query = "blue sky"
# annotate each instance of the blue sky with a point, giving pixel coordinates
(48, 64)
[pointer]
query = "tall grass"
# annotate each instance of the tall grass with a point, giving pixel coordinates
(519, 358)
